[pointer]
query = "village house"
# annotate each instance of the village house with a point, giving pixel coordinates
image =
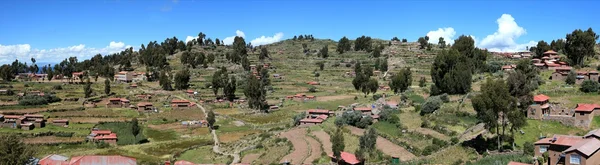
(540, 107)
(277, 76)
(301, 97)
(586, 75)
(124, 76)
(317, 112)
(144, 96)
(560, 73)
(309, 121)
(117, 103)
(253, 67)
(384, 88)
(145, 107)
(195, 123)
(517, 163)
(60, 122)
(508, 67)
(570, 150)
(105, 136)
(87, 160)
(313, 83)
(363, 110)
(346, 159)
(76, 76)
(190, 93)
(181, 104)
(4, 91)
(585, 112)
(26, 122)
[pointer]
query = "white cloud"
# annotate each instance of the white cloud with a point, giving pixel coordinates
(190, 38)
(229, 40)
(446, 33)
(262, 40)
(24, 52)
(503, 40)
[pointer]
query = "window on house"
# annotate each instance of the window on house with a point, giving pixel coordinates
(543, 149)
(581, 113)
(575, 159)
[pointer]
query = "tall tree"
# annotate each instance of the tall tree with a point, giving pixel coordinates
(14, 150)
(401, 81)
(494, 106)
(219, 80)
(135, 128)
(422, 42)
(324, 52)
(367, 143)
(363, 43)
(541, 47)
(106, 86)
(384, 65)
(182, 79)
(376, 52)
(441, 42)
(165, 81)
(343, 45)
(255, 93)
(451, 73)
(580, 44)
(264, 53)
(211, 119)
(337, 143)
(87, 89)
(229, 89)
(239, 50)
(6, 72)
(218, 42)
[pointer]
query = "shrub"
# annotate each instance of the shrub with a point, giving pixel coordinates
(432, 104)
(444, 97)
(422, 82)
(571, 78)
(528, 148)
(589, 86)
(312, 89)
(57, 87)
(348, 65)
(376, 96)
(454, 140)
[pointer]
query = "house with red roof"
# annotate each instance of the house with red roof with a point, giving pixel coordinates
(60, 122)
(26, 122)
(106, 136)
(346, 158)
(570, 150)
(585, 112)
(181, 104)
(117, 103)
(364, 110)
(144, 96)
(145, 107)
(560, 73)
(313, 83)
(540, 107)
(316, 112)
(54, 159)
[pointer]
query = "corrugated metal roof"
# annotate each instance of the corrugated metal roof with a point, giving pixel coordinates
(102, 160)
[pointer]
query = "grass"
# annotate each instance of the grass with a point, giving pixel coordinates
(174, 147)
(124, 132)
(204, 155)
(595, 122)
(537, 128)
(48, 128)
(160, 135)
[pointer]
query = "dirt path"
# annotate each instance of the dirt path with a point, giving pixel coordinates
(315, 150)
(324, 138)
(248, 159)
(386, 146)
(301, 148)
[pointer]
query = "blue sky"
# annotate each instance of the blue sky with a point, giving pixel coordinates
(53, 30)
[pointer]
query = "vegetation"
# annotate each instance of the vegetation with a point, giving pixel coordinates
(401, 81)
(337, 143)
(14, 151)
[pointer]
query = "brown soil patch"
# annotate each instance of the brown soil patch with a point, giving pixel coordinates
(324, 138)
(296, 136)
(249, 158)
(9, 103)
(234, 136)
(315, 150)
(386, 146)
(95, 120)
(331, 98)
(433, 133)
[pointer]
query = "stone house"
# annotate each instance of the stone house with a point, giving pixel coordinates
(570, 150)
(145, 107)
(117, 103)
(60, 122)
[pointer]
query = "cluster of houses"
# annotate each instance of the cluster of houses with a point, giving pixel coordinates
(316, 116)
(105, 136)
(301, 97)
(513, 55)
(195, 123)
(28, 121)
(570, 150)
(125, 103)
(581, 115)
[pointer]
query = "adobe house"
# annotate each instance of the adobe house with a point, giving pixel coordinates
(550, 53)
(277, 76)
(117, 103)
(181, 104)
(145, 107)
(103, 136)
(540, 107)
(584, 113)
(560, 73)
(60, 122)
(27, 126)
(316, 112)
(581, 76)
(75, 75)
(540, 66)
(346, 159)
(311, 98)
(363, 110)
(124, 76)
(507, 68)
(10, 121)
(593, 75)
(570, 150)
(552, 66)
(308, 121)
(189, 92)
(37, 120)
(35, 93)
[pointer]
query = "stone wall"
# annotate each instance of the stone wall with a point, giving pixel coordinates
(568, 120)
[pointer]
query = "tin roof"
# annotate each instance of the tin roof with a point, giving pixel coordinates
(586, 147)
(102, 160)
(540, 98)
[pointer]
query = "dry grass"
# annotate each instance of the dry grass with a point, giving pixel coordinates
(234, 136)
(95, 120)
(52, 140)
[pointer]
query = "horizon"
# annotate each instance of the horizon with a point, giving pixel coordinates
(55, 30)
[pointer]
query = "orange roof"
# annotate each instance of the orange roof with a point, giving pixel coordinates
(506, 67)
(517, 163)
(544, 141)
(586, 107)
(35, 116)
(311, 120)
(143, 104)
(313, 83)
(565, 140)
(180, 101)
(124, 100)
(563, 68)
(104, 159)
(348, 158)
(553, 64)
(12, 117)
(189, 91)
(540, 98)
(133, 85)
(550, 52)
(110, 136)
(102, 132)
(362, 109)
(310, 97)
(322, 117)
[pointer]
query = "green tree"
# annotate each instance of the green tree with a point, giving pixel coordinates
(368, 140)
(494, 100)
(87, 88)
(363, 43)
(165, 81)
(229, 89)
(264, 53)
(422, 82)
(377, 64)
(376, 53)
(211, 119)
(256, 93)
(6, 72)
(528, 148)
(541, 47)
(571, 78)
(321, 65)
(324, 52)
(106, 86)
(14, 150)
(404, 40)
(558, 45)
(401, 81)
(422, 42)
(210, 58)
(135, 128)
(589, 86)
(357, 67)
(580, 44)
(218, 42)
(370, 87)
(239, 50)
(441, 42)
(450, 73)
(337, 143)
(384, 65)
(219, 80)
(182, 79)
(245, 63)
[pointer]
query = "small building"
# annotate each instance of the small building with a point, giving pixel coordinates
(3, 91)
(145, 107)
(102, 159)
(584, 113)
(570, 150)
(105, 136)
(181, 104)
(364, 110)
(560, 73)
(346, 159)
(313, 83)
(60, 122)
(124, 76)
(144, 96)
(540, 107)
(308, 121)
(27, 126)
(392, 104)
(507, 68)
(117, 103)
(134, 85)
(76, 75)
(319, 112)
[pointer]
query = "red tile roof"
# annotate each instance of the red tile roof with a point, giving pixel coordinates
(362, 109)
(105, 159)
(553, 65)
(586, 107)
(322, 117)
(124, 100)
(506, 67)
(34, 116)
(180, 101)
(587, 147)
(189, 91)
(348, 158)
(567, 140)
(550, 52)
(517, 163)
(12, 117)
(107, 137)
(102, 132)
(540, 98)
(313, 83)
(564, 68)
(311, 121)
(114, 99)
(183, 162)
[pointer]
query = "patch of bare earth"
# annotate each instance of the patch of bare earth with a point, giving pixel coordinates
(301, 149)
(386, 146)
(249, 158)
(315, 150)
(332, 98)
(433, 133)
(325, 141)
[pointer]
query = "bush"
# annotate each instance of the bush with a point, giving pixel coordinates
(422, 82)
(444, 97)
(589, 86)
(376, 96)
(364, 122)
(38, 100)
(57, 87)
(348, 65)
(571, 78)
(528, 148)
(432, 104)
(312, 89)
(454, 140)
